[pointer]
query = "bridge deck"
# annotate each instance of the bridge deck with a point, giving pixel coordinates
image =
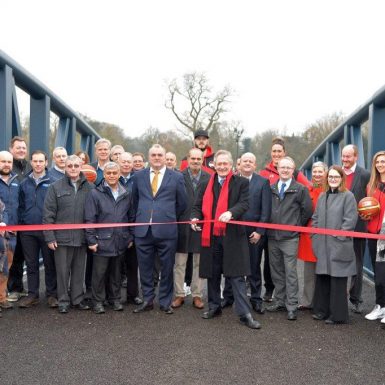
(40, 346)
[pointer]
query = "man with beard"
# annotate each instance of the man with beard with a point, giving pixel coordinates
(9, 195)
(201, 141)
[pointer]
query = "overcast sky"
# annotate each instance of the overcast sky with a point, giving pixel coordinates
(290, 62)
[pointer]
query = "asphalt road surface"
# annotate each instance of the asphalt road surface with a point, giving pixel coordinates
(40, 346)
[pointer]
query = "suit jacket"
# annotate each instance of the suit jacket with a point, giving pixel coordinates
(358, 188)
(168, 204)
(259, 203)
(236, 259)
(189, 241)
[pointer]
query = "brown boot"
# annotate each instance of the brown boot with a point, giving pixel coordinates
(198, 303)
(178, 302)
(28, 301)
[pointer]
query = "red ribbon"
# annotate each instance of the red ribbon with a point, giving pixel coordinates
(274, 226)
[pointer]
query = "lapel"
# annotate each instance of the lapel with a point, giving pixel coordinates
(356, 178)
(187, 179)
(147, 182)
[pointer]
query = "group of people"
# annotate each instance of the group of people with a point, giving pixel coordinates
(181, 218)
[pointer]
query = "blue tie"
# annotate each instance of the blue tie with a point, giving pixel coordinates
(282, 191)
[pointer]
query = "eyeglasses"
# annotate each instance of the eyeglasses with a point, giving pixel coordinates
(73, 165)
(331, 177)
(111, 172)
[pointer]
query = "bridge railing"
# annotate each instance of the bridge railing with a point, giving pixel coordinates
(372, 113)
(42, 102)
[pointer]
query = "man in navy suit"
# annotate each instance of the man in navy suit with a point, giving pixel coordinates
(159, 196)
(259, 211)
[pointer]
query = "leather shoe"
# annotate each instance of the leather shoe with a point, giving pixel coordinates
(167, 310)
(257, 307)
(226, 303)
(117, 306)
(145, 306)
(268, 297)
(275, 308)
(211, 314)
(318, 316)
(81, 306)
(63, 309)
(99, 308)
(178, 302)
(135, 300)
(248, 320)
(52, 302)
(198, 303)
(292, 315)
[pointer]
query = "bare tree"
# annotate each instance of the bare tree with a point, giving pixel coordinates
(193, 104)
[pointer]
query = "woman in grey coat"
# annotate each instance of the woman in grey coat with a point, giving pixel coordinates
(336, 209)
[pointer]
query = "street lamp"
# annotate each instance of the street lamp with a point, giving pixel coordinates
(238, 133)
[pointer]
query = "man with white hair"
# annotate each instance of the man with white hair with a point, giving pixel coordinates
(291, 205)
(102, 152)
(59, 156)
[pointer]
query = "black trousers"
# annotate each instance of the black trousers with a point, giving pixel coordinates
(238, 284)
(106, 270)
(269, 285)
(131, 265)
(255, 279)
(330, 298)
(189, 269)
(88, 277)
(33, 243)
(15, 277)
(355, 291)
(379, 273)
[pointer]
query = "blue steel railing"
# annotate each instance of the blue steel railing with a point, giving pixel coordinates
(350, 132)
(42, 102)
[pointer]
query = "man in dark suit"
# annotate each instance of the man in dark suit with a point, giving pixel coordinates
(357, 179)
(159, 196)
(259, 211)
(189, 241)
(224, 246)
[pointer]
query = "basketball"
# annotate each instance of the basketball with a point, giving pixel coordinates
(368, 207)
(89, 172)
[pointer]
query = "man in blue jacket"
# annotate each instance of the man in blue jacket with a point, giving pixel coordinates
(110, 202)
(159, 196)
(33, 190)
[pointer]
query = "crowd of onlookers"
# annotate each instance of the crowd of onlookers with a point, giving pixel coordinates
(87, 268)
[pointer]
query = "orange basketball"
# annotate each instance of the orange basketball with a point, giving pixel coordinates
(89, 172)
(368, 207)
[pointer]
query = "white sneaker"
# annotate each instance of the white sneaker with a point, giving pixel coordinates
(376, 313)
(187, 289)
(383, 321)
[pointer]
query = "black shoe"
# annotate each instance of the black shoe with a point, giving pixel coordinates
(318, 316)
(135, 300)
(63, 309)
(257, 307)
(275, 308)
(212, 313)
(356, 307)
(292, 315)
(226, 303)
(167, 310)
(99, 308)
(145, 306)
(268, 297)
(81, 306)
(329, 321)
(117, 306)
(248, 320)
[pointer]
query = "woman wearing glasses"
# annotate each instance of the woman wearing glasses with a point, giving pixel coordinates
(336, 209)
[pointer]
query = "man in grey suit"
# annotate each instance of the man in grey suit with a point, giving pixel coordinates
(357, 178)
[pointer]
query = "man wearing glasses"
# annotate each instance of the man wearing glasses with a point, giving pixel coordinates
(64, 203)
(291, 205)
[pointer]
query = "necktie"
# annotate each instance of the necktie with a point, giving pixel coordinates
(194, 182)
(282, 191)
(154, 183)
(221, 181)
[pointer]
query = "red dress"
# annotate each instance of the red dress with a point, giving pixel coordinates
(305, 251)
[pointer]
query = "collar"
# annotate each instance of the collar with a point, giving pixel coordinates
(58, 169)
(161, 171)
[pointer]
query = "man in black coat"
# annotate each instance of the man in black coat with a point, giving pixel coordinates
(224, 246)
(357, 179)
(259, 211)
(189, 241)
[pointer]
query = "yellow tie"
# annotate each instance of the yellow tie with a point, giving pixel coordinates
(154, 183)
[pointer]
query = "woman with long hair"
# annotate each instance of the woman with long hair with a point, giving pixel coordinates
(336, 261)
(376, 189)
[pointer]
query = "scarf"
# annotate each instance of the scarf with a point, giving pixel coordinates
(207, 209)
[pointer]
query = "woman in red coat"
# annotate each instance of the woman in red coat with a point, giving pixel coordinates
(305, 252)
(376, 189)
